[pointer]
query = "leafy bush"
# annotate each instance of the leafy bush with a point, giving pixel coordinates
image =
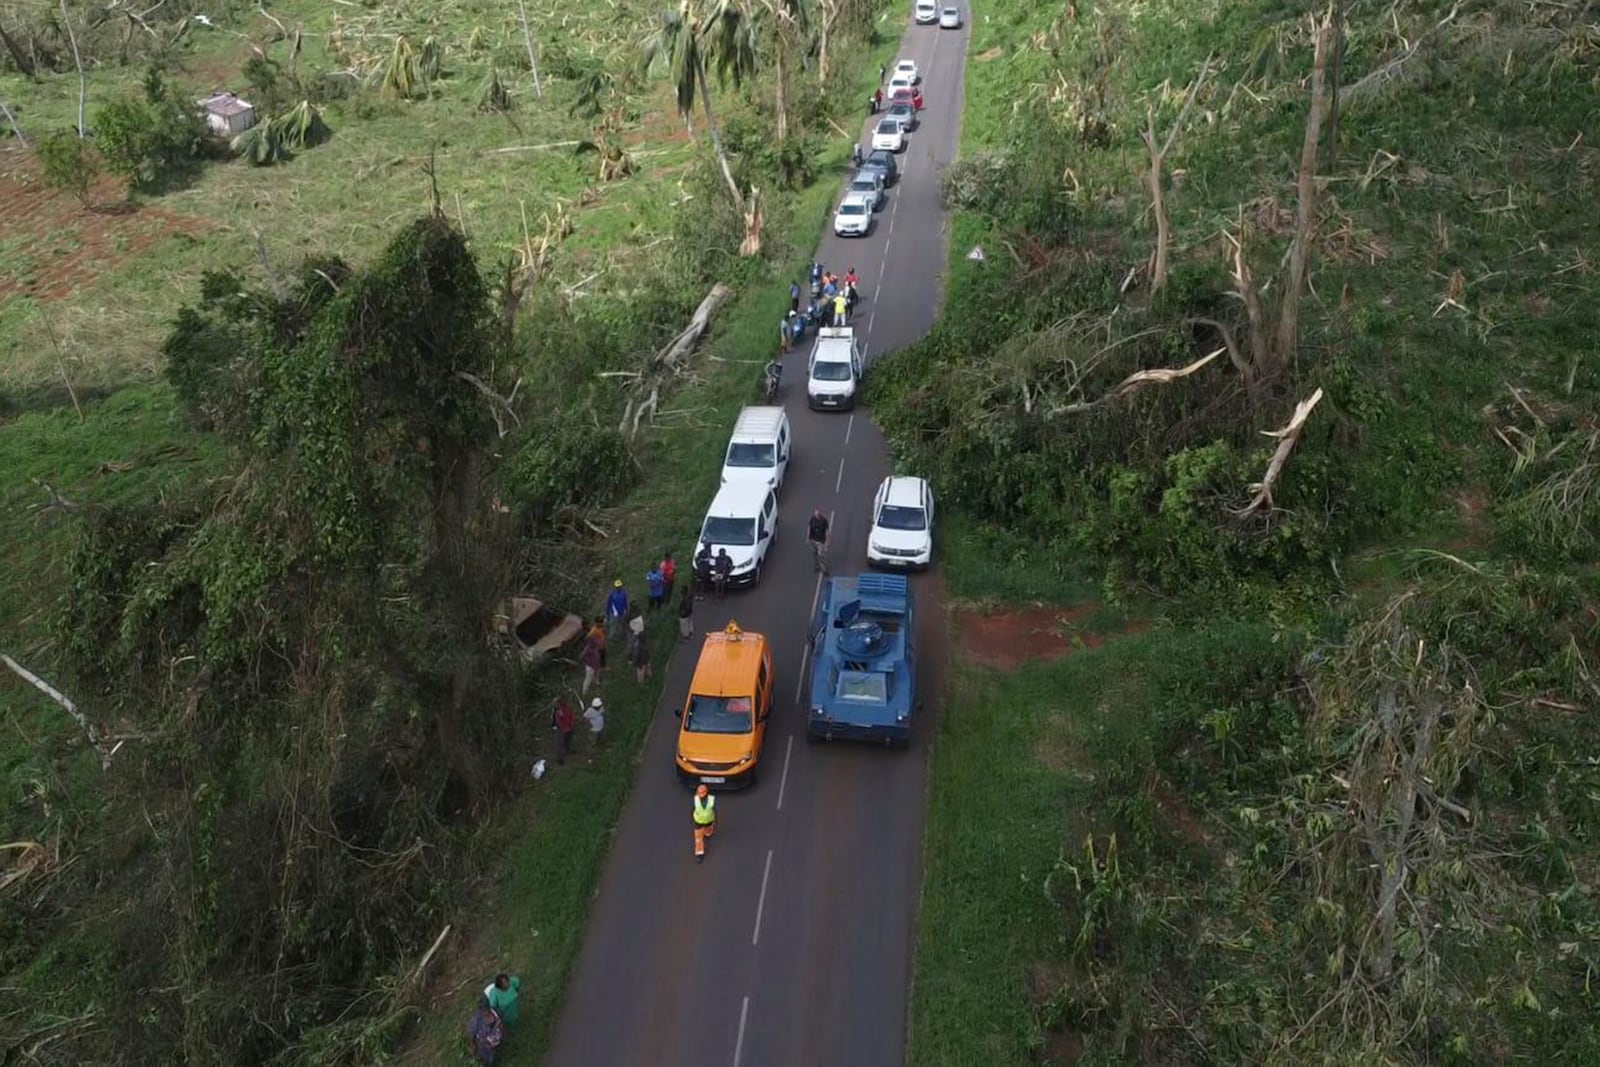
(68, 163)
(980, 182)
(150, 139)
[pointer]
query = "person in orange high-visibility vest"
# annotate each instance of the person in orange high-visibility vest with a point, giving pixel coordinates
(705, 821)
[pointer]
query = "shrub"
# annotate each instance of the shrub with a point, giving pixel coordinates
(69, 164)
(146, 140)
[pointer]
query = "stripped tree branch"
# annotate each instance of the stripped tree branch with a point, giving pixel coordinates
(1158, 201)
(1287, 437)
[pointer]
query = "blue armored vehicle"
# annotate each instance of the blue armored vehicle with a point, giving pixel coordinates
(862, 667)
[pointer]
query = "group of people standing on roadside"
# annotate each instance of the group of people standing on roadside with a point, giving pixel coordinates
(833, 301)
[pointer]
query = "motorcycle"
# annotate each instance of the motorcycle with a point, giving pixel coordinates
(770, 379)
(816, 280)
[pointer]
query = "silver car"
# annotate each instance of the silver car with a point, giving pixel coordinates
(950, 19)
(869, 183)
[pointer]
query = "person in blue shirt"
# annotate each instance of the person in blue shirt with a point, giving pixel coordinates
(655, 585)
(616, 609)
(794, 296)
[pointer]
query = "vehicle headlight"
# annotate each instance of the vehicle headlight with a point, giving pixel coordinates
(743, 759)
(816, 710)
(740, 568)
(900, 717)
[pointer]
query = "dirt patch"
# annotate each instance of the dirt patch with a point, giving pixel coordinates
(1058, 750)
(1006, 639)
(53, 245)
(1182, 819)
(1062, 1048)
(989, 53)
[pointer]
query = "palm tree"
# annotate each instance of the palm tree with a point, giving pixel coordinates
(685, 40)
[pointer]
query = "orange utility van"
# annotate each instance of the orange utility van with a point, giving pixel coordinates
(724, 717)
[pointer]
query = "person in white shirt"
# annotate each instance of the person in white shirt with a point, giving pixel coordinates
(595, 715)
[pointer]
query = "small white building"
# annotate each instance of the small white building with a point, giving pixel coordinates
(226, 115)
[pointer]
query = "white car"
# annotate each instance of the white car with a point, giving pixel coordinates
(925, 12)
(908, 68)
(836, 366)
(950, 19)
(854, 217)
(902, 524)
(742, 519)
(889, 136)
(899, 81)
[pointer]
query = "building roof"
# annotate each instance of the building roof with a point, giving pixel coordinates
(225, 104)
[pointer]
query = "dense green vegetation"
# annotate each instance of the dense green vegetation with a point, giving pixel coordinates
(305, 759)
(1337, 804)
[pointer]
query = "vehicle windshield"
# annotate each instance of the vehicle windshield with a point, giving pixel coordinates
(895, 517)
(852, 208)
(889, 126)
(726, 531)
(861, 687)
(719, 715)
(864, 185)
(744, 454)
(900, 110)
(881, 160)
(830, 371)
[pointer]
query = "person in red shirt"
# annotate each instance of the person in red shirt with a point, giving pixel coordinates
(850, 278)
(669, 573)
(563, 721)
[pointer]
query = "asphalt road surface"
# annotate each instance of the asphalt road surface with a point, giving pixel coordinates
(792, 944)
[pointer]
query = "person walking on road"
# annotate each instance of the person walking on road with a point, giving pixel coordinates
(562, 721)
(856, 157)
(877, 99)
(817, 537)
(794, 296)
(784, 329)
(655, 586)
(485, 1031)
(705, 821)
(669, 574)
(686, 614)
(616, 608)
(851, 280)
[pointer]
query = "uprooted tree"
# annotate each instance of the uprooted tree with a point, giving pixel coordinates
(301, 649)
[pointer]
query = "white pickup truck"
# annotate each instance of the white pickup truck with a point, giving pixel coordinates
(835, 370)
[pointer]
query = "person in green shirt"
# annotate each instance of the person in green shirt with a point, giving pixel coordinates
(502, 996)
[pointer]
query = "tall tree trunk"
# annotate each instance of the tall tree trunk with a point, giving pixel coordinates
(1306, 206)
(83, 81)
(23, 64)
(1333, 88)
(1158, 156)
(780, 97)
(716, 138)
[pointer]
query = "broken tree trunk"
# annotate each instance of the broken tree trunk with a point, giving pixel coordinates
(66, 704)
(1306, 202)
(1158, 156)
(751, 245)
(1287, 437)
(680, 346)
(1136, 381)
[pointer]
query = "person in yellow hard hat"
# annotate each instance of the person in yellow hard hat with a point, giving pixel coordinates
(705, 821)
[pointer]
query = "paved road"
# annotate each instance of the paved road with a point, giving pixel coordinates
(792, 943)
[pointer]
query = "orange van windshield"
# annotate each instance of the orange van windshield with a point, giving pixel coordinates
(719, 715)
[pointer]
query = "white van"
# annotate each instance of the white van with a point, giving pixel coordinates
(926, 12)
(743, 519)
(835, 370)
(758, 452)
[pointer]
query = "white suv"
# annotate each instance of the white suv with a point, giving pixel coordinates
(902, 524)
(742, 519)
(925, 12)
(854, 217)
